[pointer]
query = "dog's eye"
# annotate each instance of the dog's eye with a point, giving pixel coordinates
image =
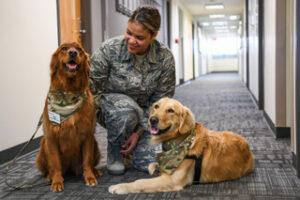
(64, 48)
(156, 106)
(170, 110)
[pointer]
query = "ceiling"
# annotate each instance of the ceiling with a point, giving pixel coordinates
(201, 14)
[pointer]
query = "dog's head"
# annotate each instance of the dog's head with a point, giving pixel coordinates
(69, 60)
(169, 116)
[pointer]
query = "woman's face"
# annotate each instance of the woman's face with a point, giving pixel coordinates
(138, 38)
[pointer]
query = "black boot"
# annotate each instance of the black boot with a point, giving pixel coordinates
(115, 165)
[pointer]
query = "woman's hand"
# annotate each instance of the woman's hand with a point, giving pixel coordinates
(130, 143)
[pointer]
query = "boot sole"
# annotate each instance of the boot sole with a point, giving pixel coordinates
(114, 172)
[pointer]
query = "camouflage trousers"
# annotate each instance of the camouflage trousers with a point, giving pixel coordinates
(121, 116)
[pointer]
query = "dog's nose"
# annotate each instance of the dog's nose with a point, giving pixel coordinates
(153, 121)
(73, 54)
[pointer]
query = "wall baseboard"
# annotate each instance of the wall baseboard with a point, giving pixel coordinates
(9, 154)
(223, 72)
(294, 160)
(181, 81)
(279, 132)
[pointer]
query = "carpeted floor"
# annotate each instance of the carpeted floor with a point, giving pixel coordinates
(220, 102)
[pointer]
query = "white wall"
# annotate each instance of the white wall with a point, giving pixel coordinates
(196, 50)
(253, 48)
(243, 50)
(28, 39)
(203, 56)
(96, 24)
(187, 45)
(292, 9)
(291, 69)
(115, 22)
(275, 61)
(175, 34)
(221, 65)
(187, 42)
(269, 58)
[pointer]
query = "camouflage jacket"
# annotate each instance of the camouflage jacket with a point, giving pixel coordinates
(113, 70)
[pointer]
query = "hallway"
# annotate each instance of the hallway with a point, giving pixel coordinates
(221, 102)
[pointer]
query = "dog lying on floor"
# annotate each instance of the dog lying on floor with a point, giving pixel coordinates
(225, 155)
(69, 120)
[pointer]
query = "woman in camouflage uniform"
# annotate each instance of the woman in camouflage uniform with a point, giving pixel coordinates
(128, 74)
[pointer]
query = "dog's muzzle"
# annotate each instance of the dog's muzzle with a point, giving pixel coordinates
(154, 130)
(71, 65)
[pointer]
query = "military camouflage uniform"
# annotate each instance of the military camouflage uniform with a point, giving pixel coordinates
(124, 89)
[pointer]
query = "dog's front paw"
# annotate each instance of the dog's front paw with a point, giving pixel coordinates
(90, 181)
(152, 167)
(57, 186)
(118, 189)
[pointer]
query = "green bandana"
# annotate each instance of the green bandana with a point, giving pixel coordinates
(61, 105)
(174, 152)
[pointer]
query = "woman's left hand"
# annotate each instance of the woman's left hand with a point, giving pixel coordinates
(130, 143)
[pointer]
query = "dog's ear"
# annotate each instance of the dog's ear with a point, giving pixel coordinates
(54, 64)
(87, 64)
(187, 120)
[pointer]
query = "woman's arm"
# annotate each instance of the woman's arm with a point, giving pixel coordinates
(99, 71)
(167, 80)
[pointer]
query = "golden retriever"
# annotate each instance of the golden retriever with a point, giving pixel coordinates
(69, 144)
(225, 155)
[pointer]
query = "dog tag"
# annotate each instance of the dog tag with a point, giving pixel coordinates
(54, 117)
(158, 148)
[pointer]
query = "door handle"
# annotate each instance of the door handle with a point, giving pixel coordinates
(82, 31)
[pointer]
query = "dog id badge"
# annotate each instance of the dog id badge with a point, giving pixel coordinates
(158, 148)
(54, 117)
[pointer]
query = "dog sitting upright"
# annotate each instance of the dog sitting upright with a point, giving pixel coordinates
(225, 155)
(68, 142)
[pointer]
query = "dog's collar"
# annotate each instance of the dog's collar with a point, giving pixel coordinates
(174, 152)
(61, 105)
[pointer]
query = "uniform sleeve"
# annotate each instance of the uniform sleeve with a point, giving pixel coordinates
(167, 80)
(99, 71)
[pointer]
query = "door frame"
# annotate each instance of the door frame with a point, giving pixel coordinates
(86, 26)
(181, 47)
(260, 3)
(69, 21)
(247, 41)
(261, 54)
(297, 85)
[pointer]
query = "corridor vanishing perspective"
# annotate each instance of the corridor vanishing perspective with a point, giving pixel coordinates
(221, 102)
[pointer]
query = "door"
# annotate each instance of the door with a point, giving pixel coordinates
(69, 21)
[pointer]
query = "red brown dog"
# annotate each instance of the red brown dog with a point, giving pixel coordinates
(68, 142)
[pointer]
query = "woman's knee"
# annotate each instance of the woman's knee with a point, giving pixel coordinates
(116, 107)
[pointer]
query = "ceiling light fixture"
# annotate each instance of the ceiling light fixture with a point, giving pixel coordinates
(220, 27)
(205, 24)
(214, 6)
(216, 16)
(234, 17)
(219, 23)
